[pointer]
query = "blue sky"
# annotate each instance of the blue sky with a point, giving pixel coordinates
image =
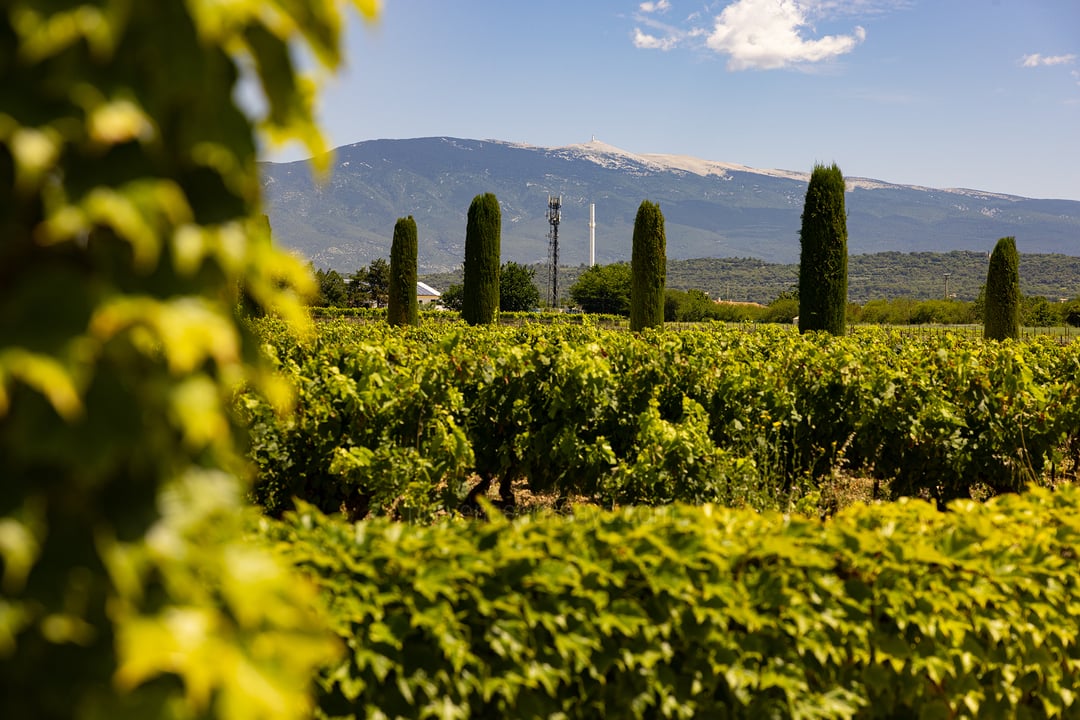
(982, 94)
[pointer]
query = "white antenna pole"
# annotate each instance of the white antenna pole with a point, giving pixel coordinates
(592, 234)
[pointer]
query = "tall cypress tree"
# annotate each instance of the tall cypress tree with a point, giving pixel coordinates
(401, 304)
(481, 282)
(648, 268)
(1002, 309)
(824, 257)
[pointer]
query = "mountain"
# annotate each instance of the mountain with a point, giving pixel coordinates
(711, 209)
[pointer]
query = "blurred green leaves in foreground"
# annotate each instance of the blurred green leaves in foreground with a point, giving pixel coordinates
(130, 234)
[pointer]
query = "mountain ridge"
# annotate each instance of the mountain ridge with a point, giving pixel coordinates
(711, 208)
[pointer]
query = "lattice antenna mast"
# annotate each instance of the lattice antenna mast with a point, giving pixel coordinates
(554, 215)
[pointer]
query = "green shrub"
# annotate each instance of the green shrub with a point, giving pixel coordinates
(823, 259)
(1002, 309)
(676, 461)
(782, 310)
(948, 312)
(517, 288)
(885, 611)
(648, 264)
(604, 289)
(375, 429)
(1040, 312)
(402, 306)
(1071, 313)
(480, 290)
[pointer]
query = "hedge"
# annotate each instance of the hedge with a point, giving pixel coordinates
(884, 611)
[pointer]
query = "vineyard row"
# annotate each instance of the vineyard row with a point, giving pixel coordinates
(405, 421)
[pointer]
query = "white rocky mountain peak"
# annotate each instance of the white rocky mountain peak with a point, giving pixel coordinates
(685, 163)
(610, 156)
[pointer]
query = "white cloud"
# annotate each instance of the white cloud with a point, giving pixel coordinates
(651, 42)
(1037, 60)
(858, 7)
(768, 34)
(658, 6)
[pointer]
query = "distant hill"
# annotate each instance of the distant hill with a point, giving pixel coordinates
(711, 209)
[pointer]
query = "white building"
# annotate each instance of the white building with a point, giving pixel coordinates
(425, 294)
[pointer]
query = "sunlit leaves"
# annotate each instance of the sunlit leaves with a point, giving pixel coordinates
(884, 611)
(45, 33)
(141, 212)
(262, 32)
(20, 545)
(746, 416)
(35, 152)
(132, 237)
(231, 607)
(42, 373)
(185, 331)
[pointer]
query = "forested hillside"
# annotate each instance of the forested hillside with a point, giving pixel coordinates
(711, 209)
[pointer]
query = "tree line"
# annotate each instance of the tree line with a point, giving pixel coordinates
(884, 276)
(370, 287)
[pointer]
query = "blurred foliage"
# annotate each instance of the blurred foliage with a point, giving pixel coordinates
(453, 297)
(131, 235)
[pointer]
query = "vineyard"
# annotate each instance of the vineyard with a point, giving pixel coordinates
(669, 585)
(405, 422)
(692, 563)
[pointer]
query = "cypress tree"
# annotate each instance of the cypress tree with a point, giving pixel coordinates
(481, 282)
(401, 305)
(823, 259)
(1002, 309)
(648, 268)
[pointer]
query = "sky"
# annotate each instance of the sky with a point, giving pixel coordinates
(981, 94)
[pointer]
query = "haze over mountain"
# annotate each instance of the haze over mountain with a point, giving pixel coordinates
(711, 208)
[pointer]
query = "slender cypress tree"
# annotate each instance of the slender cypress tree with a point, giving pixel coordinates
(1002, 309)
(824, 257)
(648, 268)
(401, 305)
(481, 282)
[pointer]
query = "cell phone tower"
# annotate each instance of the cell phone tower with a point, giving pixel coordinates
(554, 214)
